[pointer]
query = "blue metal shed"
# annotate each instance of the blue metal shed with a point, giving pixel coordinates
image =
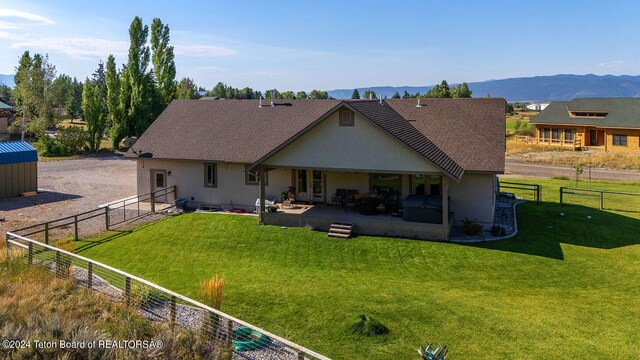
(18, 168)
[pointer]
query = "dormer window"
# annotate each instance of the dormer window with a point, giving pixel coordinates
(346, 117)
(588, 114)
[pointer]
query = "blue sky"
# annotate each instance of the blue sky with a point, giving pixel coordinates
(301, 45)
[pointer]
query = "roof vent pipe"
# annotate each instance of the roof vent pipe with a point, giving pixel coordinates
(419, 105)
(260, 104)
(272, 99)
(380, 100)
(370, 96)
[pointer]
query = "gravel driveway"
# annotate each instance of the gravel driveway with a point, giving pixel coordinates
(69, 187)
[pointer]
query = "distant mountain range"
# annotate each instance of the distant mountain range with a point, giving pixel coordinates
(537, 88)
(7, 80)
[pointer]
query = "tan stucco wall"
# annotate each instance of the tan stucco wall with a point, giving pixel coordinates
(363, 147)
(346, 180)
(473, 198)
(188, 176)
(633, 139)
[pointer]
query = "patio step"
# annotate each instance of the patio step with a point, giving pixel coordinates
(340, 230)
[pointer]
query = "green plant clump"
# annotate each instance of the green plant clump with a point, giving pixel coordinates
(368, 326)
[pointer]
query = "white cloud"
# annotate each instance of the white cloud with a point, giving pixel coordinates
(14, 19)
(90, 47)
(75, 47)
(203, 50)
(619, 65)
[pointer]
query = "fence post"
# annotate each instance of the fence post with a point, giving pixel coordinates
(153, 202)
(127, 290)
(58, 272)
(30, 253)
(172, 310)
(106, 216)
(230, 331)
(601, 200)
(90, 275)
(8, 237)
(75, 225)
(46, 233)
(539, 193)
(300, 355)
(561, 194)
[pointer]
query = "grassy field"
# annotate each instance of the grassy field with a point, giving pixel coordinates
(566, 287)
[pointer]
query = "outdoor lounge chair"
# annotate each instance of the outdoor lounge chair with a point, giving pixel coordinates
(339, 197)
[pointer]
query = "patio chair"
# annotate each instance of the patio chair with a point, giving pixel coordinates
(339, 197)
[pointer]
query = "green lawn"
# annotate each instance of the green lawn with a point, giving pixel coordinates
(566, 287)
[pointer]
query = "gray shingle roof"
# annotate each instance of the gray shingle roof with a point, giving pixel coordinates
(455, 134)
(622, 112)
(471, 131)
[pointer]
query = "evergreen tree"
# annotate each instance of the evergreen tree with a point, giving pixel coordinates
(163, 62)
(396, 95)
(406, 95)
(301, 95)
(355, 94)
(73, 105)
(287, 95)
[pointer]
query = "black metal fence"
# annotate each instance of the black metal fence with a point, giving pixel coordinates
(616, 200)
(533, 190)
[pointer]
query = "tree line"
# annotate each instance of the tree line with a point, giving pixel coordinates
(441, 90)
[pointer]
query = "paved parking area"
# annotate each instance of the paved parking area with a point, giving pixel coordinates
(70, 187)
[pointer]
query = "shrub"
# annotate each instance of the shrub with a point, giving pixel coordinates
(71, 140)
(368, 326)
(146, 296)
(471, 227)
(495, 230)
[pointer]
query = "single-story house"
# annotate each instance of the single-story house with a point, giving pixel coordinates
(18, 168)
(611, 124)
(434, 159)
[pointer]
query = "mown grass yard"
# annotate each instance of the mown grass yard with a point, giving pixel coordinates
(565, 288)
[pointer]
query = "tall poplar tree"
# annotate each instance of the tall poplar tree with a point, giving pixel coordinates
(164, 66)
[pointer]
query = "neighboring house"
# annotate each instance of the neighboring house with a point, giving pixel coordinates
(18, 168)
(7, 113)
(217, 152)
(611, 124)
(537, 106)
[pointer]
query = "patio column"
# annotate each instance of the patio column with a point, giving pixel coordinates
(445, 200)
(261, 185)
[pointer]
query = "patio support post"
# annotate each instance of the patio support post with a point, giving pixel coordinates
(261, 182)
(445, 201)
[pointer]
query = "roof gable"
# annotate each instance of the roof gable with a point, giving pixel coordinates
(362, 146)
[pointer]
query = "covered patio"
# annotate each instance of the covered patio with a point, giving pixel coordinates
(320, 216)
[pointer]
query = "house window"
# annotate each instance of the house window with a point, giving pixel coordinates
(569, 135)
(588, 114)
(619, 140)
(426, 185)
(251, 177)
(210, 175)
(556, 135)
(346, 117)
(386, 183)
(545, 134)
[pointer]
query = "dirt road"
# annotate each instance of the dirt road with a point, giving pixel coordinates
(516, 168)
